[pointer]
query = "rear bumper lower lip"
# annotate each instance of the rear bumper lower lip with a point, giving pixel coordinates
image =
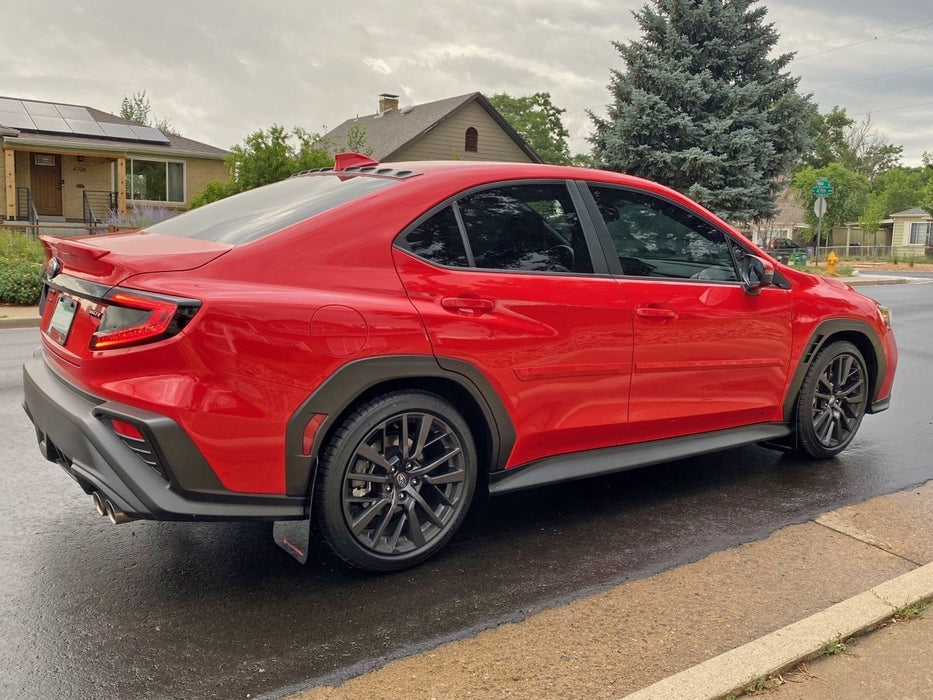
(71, 433)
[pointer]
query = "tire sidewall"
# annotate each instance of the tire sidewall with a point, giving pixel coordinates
(807, 438)
(337, 458)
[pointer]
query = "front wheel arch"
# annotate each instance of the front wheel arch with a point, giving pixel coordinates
(861, 335)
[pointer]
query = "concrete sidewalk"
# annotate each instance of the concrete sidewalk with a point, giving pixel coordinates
(714, 627)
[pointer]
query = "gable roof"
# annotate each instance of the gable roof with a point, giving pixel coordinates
(914, 213)
(176, 145)
(391, 131)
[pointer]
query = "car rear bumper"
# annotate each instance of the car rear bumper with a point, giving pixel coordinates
(170, 481)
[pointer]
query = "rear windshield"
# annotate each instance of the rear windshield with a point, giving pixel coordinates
(264, 210)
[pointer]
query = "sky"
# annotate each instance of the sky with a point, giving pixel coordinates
(221, 69)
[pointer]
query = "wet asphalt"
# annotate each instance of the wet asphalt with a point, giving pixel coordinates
(159, 610)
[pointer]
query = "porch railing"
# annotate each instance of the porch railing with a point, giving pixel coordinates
(100, 208)
(26, 209)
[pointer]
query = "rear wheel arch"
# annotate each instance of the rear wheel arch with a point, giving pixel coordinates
(361, 381)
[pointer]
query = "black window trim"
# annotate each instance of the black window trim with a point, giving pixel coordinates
(609, 249)
(596, 250)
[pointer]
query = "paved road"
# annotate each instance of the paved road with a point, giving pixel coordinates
(155, 610)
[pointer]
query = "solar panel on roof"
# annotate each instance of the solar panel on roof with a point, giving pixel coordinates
(17, 121)
(8, 105)
(85, 128)
(73, 112)
(117, 131)
(147, 133)
(41, 109)
(54, 124)
(70, 119)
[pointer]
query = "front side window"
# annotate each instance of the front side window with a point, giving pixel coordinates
(155, 180)
(655, 238)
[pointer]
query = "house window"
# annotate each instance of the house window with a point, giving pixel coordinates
(155, 180)
(471, 142)
(920, 233)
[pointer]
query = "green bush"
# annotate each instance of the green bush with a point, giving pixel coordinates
(20, 282)
(21, 259)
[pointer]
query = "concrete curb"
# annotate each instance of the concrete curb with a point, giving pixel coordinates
(731, 671)
(28, 322)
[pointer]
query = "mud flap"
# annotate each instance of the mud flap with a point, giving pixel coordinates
(293, 536)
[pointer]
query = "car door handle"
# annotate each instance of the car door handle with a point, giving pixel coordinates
(655, 312)
(468, 305)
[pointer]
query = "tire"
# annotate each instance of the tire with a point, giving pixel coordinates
(396, 481)
(833, 399)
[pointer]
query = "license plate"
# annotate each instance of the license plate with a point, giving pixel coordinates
(62, 319)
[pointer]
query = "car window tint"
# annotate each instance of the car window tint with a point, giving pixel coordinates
(654, 238)
(525, 227)
(438, 240)
(264, 210)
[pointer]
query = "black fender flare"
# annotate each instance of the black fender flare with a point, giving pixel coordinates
(823, 333)
(352, 380)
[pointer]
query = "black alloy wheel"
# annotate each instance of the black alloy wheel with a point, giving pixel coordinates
(396, 481)
(833, 400)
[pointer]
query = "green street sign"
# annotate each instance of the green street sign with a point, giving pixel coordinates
(822, 188)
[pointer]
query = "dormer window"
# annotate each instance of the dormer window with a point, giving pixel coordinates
(471, 142)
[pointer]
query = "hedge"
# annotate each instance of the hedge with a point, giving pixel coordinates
(21, 258)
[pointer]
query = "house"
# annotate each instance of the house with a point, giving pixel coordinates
(912, 232)
(71, 163)
(788, 222)
(467, 127)
(907, 233)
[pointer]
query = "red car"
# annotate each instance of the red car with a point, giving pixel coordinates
(369, 345)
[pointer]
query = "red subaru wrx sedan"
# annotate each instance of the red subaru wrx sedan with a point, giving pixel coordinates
(368, 345)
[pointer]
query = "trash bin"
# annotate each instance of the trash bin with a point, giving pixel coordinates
(798, 259)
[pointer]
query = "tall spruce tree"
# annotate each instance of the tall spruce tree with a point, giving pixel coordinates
(703, 108)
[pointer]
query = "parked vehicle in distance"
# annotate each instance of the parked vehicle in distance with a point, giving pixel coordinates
(783, 248)
(369, 345)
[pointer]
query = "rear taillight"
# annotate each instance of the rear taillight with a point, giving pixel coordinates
(133, 318)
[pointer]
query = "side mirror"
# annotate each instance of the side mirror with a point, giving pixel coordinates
(756, 273)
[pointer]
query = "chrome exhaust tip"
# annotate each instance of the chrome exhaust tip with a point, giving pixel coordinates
(98, 503)
(115, 515)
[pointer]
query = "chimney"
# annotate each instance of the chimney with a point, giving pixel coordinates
(387, 102)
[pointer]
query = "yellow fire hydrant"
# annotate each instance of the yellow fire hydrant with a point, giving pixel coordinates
(831, 261)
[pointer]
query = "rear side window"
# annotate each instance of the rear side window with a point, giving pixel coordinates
(264, 210)
(528, 227)
(438, 239)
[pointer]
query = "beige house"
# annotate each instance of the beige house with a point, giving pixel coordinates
(467, 127)
(71, 165)
(912, 233)
(907, 233)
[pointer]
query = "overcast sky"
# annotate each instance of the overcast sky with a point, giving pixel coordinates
(219, 69)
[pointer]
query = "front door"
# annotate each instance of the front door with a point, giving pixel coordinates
(707, 356)
(46, 178)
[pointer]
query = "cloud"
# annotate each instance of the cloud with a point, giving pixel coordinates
(219, 70)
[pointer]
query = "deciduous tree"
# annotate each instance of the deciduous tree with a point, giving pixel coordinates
(537, 120)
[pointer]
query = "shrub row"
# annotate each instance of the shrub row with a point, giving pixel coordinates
(21, 258)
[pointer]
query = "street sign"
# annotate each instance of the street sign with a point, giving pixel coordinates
(822, 188)
(819, 207)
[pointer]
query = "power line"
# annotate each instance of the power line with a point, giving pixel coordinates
(864, 41)
(892, 109)
(874, 77)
